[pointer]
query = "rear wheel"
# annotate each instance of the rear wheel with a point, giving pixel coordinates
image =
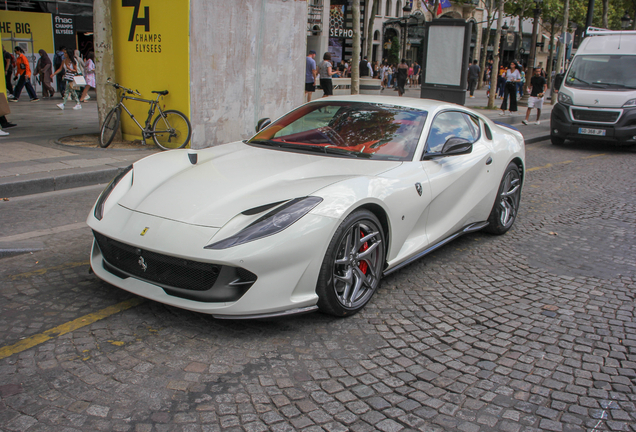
(504, 212)
(171, 130)
(352, 267)
(110, 127)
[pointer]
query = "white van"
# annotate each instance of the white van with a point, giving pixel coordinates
(597, 98)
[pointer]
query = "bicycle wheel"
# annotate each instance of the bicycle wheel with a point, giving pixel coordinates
(171, 130)
(110, 127)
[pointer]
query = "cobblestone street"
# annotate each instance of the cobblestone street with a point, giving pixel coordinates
(531, 331)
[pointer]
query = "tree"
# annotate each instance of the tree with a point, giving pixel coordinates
(497, 47)
(566, 11)
(552, 17)
(489, 7)
(520, 9)
(104, 60)
(374, 12)
(355, 60)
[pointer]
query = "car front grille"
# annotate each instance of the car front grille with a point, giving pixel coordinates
(596, 116)
(161, 269)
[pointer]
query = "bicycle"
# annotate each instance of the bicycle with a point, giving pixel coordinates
(171, 129)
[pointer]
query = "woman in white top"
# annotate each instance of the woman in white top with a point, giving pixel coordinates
(510, 91)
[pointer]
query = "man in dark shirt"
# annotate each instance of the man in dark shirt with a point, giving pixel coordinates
(537, 88)
(473, 77)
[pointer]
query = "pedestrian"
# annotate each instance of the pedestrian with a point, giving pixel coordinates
(416, 73)
(521, 83)
(58, 60)
(510, 92)
(9, 63)
(410, 75)
(501, 82)
(23, 72)
(342, 68)
(390, 76)
(473, 77)
(402, 76)
(70, 70)
(89, 76)
(44, 69)
(326, 71)
(310, 75)
(537, 88)
(365, 68)
(79, 62)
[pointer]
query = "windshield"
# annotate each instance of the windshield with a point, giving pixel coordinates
(610, 72)
(348, 129)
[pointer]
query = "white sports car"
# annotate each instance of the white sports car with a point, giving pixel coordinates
(309, 213)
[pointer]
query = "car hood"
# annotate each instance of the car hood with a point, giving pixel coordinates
(602, 98)
(232, 178)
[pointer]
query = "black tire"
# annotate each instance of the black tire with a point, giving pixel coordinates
(351, 270)
(504, 211)
(556, 140)
(172, 130)
(110, 127)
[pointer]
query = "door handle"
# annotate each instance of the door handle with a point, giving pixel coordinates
(489, 161)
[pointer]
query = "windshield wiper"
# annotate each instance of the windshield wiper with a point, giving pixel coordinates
(617, 85)
(585, 82)
(347, 153)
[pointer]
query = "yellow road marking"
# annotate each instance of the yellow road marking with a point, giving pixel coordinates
(593, 156)
(42, 271)
(547, 166)
(68, 327)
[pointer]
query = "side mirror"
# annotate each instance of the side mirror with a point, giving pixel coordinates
(262, 124)
(457, 146)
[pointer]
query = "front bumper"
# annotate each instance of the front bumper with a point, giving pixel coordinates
(622, 132)
(284, 266)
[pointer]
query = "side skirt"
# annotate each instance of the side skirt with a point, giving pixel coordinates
(466, 230)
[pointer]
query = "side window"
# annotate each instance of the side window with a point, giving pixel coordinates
(473, 122)
(450, 124)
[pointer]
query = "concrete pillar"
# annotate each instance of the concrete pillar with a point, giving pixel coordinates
(247, 61)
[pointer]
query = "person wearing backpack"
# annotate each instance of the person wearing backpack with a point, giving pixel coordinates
(23, 72)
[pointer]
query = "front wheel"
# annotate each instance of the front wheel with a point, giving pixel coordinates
(556, 140)
(353, 264)
(504, 211)
(171, 130)
(110, 127)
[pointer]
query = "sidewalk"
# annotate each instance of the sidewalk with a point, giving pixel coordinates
(33, 161)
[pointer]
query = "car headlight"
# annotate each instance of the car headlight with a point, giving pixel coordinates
(630, 103)
(101, 201)
(565, 99)
(271, 223)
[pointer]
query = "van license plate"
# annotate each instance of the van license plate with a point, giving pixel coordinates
(586, 131)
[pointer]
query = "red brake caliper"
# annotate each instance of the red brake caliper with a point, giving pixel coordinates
(363, 264)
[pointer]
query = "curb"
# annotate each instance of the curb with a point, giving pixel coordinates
(56, 183)
(57, 141)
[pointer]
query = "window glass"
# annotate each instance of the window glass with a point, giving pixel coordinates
(351, 129)
(447, 125)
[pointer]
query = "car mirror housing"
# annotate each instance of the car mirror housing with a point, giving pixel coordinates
(457, 146)
(262, 124)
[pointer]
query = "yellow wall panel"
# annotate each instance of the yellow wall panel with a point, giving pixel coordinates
(26, 25)
(151, 50)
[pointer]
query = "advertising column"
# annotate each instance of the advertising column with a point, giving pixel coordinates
(151, 48)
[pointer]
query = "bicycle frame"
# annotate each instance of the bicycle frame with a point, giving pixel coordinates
(154, 105)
